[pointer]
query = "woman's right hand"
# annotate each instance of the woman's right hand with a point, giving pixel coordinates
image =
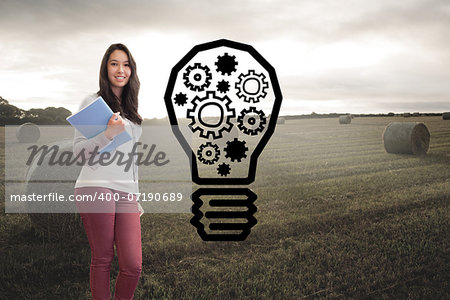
(116, 125)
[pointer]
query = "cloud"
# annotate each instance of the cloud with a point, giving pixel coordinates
(317, 21)
(373, 51)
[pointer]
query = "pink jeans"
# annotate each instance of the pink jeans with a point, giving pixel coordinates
(108, 223)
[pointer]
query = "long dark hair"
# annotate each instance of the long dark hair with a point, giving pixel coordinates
(128, 107)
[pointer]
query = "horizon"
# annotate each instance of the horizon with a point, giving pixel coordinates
(280, 115)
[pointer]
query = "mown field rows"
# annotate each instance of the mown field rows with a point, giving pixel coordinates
(338, 217)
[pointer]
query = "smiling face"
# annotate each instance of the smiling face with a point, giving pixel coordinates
(119, 71)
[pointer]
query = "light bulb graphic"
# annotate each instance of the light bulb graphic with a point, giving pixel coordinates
(223, 100)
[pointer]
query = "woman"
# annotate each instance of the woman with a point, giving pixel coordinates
(113, 215)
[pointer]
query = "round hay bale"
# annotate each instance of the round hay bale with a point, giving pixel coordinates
(446, 116)
(406, 138)
(54, 226)
(406, 115)
(345, 119)
(28, 133)
(281, 120)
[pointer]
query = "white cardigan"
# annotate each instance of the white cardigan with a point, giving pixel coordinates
(111, 176)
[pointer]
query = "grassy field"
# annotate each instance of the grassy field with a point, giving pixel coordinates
(338, 217)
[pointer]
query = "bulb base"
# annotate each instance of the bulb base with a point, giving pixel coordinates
(223, 214)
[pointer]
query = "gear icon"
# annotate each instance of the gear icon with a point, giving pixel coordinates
(223, 169)
(226, 64)
(223, 86)
(252, 86)
(206, 124)
(251, 121)
(197, 77)
(180, 99)
(235, 150)
(208, 153)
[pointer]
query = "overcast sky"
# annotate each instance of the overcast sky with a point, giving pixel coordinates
(330, 56)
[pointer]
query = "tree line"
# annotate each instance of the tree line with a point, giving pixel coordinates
(12, 115)
(314, 115)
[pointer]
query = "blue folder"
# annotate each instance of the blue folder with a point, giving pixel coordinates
(93, 119)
